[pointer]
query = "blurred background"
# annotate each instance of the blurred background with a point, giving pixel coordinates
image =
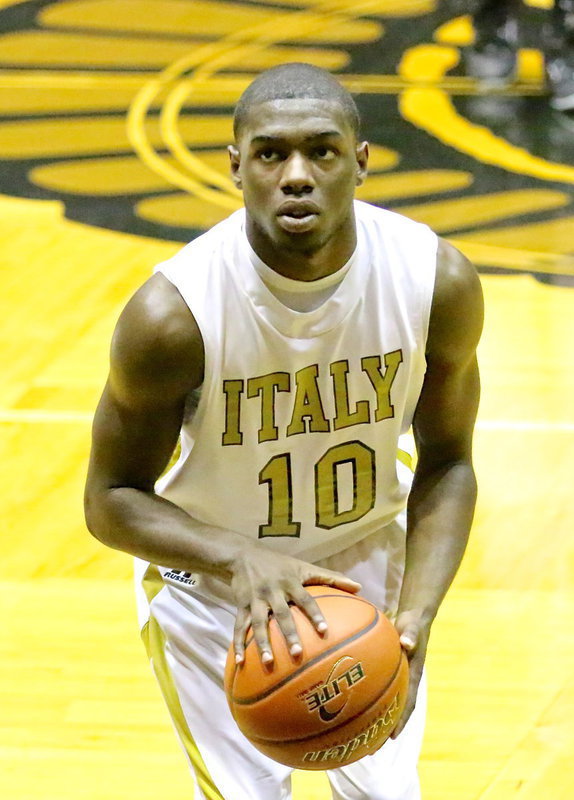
(114, 116)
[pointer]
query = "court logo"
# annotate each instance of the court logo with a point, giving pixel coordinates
(128, 128)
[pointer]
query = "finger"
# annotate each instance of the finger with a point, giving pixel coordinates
(415, 673)
(260, 628)
(310, 607)
(409, 642)
(242, 622)
(335, 579)
(284, 617)
(409, 636)
(408, 710)
(400, 727)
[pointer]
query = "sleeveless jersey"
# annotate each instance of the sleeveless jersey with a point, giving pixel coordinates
(293, 440)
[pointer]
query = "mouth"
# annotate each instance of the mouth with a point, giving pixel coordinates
(298, 216)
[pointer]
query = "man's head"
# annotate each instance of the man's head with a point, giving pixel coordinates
(297, 160)
(295, 81)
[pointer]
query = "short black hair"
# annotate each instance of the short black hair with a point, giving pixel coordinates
(295, 80)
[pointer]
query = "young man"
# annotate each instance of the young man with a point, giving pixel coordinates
(290, 347)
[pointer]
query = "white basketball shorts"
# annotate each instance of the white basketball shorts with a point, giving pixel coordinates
(187, 636)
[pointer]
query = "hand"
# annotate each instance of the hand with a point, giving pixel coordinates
(414, 635)
(264, 581)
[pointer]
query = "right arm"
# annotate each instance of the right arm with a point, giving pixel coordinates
(156, 360)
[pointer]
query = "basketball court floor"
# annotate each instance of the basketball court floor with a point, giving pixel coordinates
(114, 115)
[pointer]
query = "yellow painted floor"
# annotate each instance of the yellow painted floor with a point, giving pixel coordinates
(81, 716)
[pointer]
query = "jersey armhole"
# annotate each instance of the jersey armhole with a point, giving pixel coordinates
(196, 398)
(427, 287)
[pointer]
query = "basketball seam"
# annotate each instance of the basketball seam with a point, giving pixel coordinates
(341, 724)
(255, 698)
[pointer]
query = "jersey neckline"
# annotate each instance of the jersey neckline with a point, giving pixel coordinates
(301, 324)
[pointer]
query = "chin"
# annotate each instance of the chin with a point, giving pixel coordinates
(308, 242)
(305, 248)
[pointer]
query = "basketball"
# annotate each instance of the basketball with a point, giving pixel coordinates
(337, 702)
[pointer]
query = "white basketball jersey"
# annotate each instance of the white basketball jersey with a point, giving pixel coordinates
(294, 437)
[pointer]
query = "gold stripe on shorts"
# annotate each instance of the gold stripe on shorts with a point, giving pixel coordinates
(406, 458)
(152, 582)
(155, 640)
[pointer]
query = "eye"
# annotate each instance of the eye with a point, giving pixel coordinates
(324, 153)
(268, 155)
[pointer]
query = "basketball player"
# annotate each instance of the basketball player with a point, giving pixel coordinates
(290, 348)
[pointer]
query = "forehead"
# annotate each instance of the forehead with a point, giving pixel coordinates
(295, 118)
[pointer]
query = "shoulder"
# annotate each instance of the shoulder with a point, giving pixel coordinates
(195, 267)
(197, 251)
(391, 221)
(409, 245)
(457, 306)
(157, 345)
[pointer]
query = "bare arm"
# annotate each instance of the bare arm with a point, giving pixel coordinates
(442, 499)
(156, 360)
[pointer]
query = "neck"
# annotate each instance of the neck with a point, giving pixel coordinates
(301, 264)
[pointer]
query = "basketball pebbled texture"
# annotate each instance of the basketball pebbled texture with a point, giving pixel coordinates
(336, 703)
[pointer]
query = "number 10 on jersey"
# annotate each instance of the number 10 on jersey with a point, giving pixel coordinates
(278, 476)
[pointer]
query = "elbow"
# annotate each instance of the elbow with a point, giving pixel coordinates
(91, 515)
(95, 516)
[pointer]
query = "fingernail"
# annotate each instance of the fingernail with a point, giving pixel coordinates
(296, 650)
(266, 657)
(407, 641)
(238, 659)
(322, 627)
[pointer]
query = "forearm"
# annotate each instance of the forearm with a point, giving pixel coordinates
(439, 517)
(150, 527)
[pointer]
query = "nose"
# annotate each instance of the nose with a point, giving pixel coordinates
(296, 176)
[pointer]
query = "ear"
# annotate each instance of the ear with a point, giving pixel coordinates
(235, 164)
(362, 155)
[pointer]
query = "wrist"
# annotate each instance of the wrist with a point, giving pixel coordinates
(239, 556)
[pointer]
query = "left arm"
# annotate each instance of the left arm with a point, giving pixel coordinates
(443, 495)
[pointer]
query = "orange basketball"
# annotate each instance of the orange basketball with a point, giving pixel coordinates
(336, 703)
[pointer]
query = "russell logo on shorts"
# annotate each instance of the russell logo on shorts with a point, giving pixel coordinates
(179, 576)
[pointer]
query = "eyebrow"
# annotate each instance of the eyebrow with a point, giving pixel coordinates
(268, 139)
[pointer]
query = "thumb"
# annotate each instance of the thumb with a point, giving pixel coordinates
(408, 631)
